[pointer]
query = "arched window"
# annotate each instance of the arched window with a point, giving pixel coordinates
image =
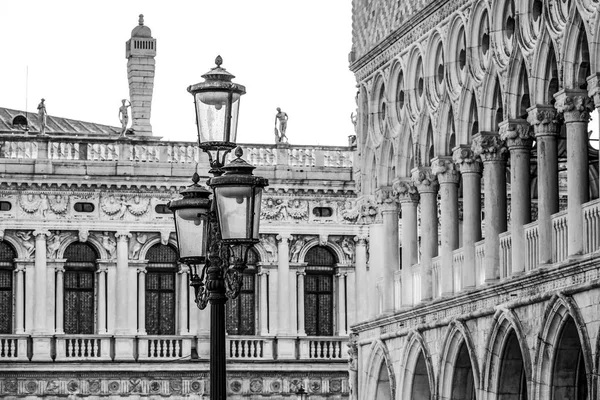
(241, 311)
(79, 311)
(160, 290)
(318, 291)
(7, 255)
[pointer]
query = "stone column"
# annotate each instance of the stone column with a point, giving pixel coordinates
(427, 185)
(391, 262)
(121, 292)
(470, 170)
(408, 197)
(19, 300)
(29, 301)
(40, 319)
(183, 299)
(301, 328)
(141, 301)
(102, 300)
(492, 150)
(60, 300)
(447, 175)
(518, 138)
(575, 105)
(543, 118)
(362, 302)
(283, 295)
(263, 275)
(341, 279)
(351, 297)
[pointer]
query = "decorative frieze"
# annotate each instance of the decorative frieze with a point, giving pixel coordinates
(269, 243)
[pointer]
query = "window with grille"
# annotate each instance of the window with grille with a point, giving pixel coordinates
(160, 290)
(241, 311)
(7, 255)
(318, 292)
(79, 308)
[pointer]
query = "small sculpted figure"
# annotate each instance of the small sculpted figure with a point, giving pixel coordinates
(42, 116)
(124, 116)
(282, 117)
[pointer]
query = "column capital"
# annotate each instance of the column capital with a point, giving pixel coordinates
(406, 191)
(466, 160)
(102, 268)
(361, 240)
(122, 236)
(386, 199)
(284, 237)
(574, 104)
(544, 119)
(302, 273)
(141, 270)
(517, 134)
(263, 271)
(489, 146)
(445, 170)
(59, 268)
(20, 267)
(183, 269)
(425, 180)
(41, 232)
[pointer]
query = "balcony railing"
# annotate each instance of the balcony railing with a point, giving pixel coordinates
(63, 148)
(320, 348)
(249, 348)
(164, 347)
(82, 348)
(13, 348)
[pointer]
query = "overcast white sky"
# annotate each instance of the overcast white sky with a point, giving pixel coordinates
(290, 54)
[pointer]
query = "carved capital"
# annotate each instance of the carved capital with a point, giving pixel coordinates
(406, 191)
(301, 273)
(59, 268)
(183, 269)
(544, 119)
(466, 160)
(102, 269)
(517, 134)
(386, 198)
(284, 237)
(141, 270)
(574, 104)
(445, 170)
(594, 88)
(361, 240)
(425, 180)
(263, 271)
(41, 233)
(489, 146)
(122, 236)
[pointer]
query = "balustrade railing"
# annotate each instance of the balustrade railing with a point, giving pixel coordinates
(319, 348)
(151, 151)
(436, 276)
(591, 226)
(559, 236)
(480, 262)
(458, 260)
(82, 348)
(532, 249)
(249, 347)
(13, 348)
(164, 347)
(505, 254)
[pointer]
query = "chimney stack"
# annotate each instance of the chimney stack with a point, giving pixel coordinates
(140, 52)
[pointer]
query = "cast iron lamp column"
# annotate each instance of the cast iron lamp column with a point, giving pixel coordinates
(218, 232)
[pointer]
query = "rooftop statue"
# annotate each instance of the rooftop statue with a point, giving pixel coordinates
(42, 116)
(280, 133)
(124, 116)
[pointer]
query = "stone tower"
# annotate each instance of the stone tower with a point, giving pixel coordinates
(140, 51)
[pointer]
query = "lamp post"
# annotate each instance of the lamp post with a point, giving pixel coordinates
(215, 234)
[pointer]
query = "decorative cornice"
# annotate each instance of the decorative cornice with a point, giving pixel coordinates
(489, 146)
(574, 104)
(424, 180)
(517, 134)
(445, 170)
(466, 160)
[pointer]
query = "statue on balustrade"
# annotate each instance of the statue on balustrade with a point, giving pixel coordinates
(124, 116)
(42, 116)
(282, 117)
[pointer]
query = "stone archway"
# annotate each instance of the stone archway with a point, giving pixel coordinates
(569, 380)
(512, 382)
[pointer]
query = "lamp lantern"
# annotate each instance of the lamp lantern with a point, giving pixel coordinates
(217, 102)
(238, 195)
(191, 222)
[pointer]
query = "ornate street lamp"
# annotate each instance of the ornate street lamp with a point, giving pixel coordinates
(214, 235)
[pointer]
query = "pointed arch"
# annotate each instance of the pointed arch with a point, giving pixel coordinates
(446, 139)
(491, 102)
(424, 131)
(416, 360)
(505, 330)
(545, 76)
(576, 57)
(518, 97)
(558, 312)
(379, 357)
(458, 339)
(387, 165)
(468, 116)
(405, 154)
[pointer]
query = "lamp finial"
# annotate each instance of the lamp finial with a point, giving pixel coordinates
(219, 61)
(141, 20)
(195, 178)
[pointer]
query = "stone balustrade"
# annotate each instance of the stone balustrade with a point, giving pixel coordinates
(532, 237)
(458, 260)
(559, 236)
(99, 348)
(591, 217)
(436, 278)
(480, 262)
(66, 148)
(505, 254)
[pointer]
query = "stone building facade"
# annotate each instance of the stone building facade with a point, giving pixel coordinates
(92, 301)
(473, 134)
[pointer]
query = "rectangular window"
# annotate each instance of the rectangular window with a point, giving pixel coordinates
(160, 303)
(241, 310)
(318, 304)
(79, 302)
